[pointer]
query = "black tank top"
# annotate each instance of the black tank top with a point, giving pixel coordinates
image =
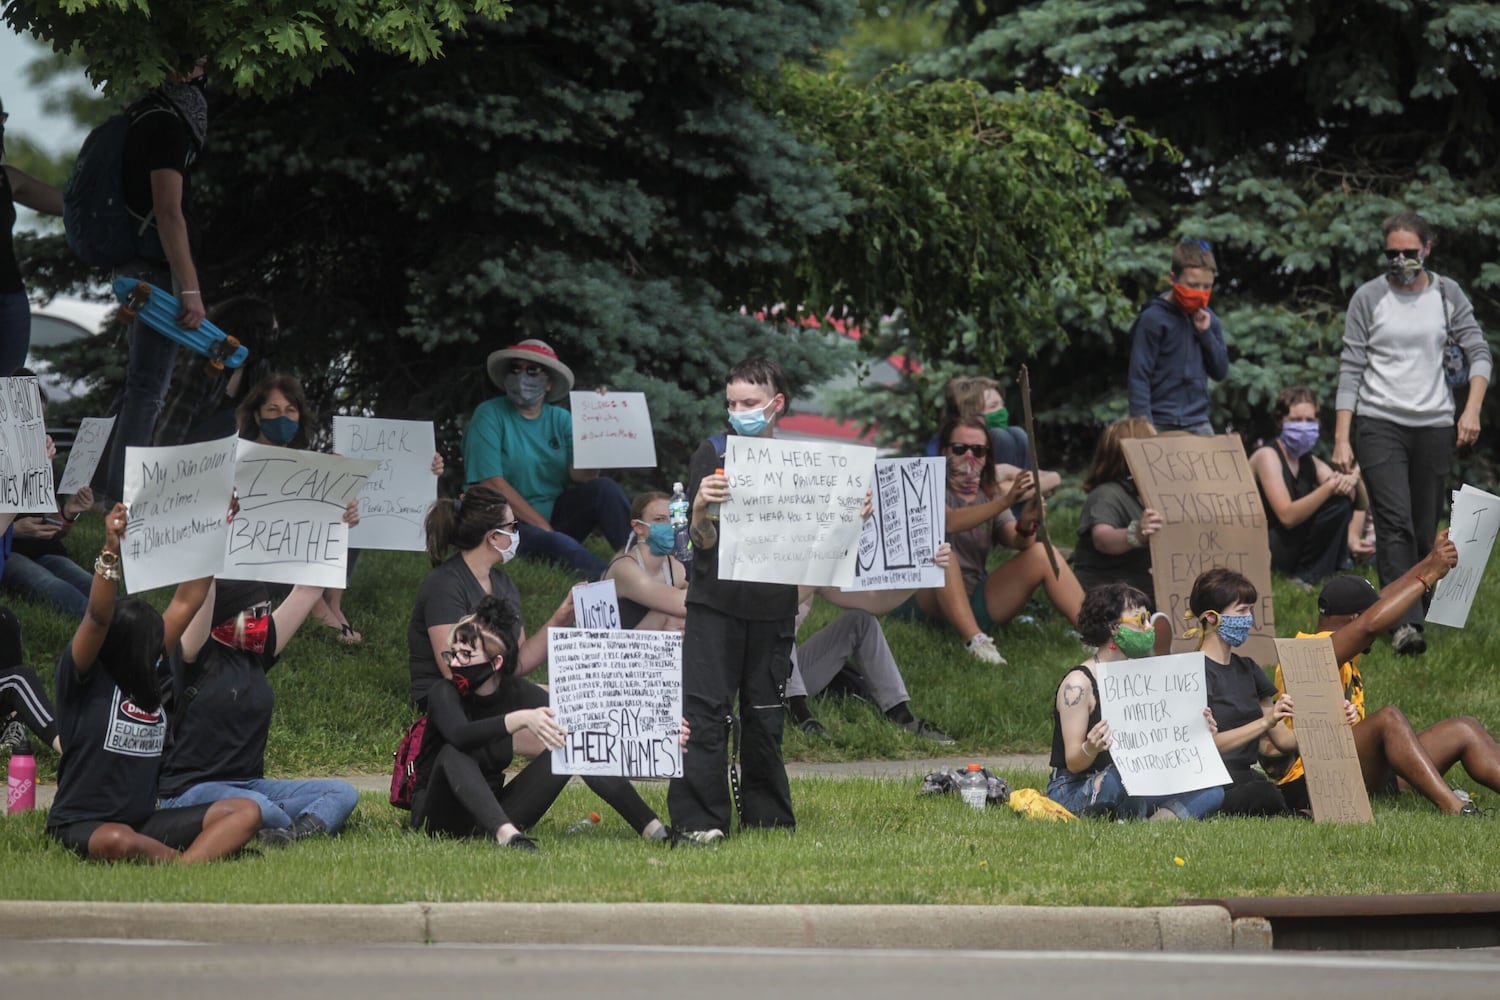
(1298, 484)
(10, 271)
(1060, 752)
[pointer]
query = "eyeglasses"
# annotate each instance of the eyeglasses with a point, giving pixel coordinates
(977, 450)
(520, 368)
(507, 526)
(1410, 253)
(1140, 620)
(463, 654)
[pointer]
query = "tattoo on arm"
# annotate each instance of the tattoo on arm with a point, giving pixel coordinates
(704, 534)
(1072, 694)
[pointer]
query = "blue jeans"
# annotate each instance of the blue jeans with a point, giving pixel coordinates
(281, 802)
(15, 331)
(148, 372)
(595, 503)
(1103, 792)
(51, 579)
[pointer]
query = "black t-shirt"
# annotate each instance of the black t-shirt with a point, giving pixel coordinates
(156, 139)
(224, 705)
(1113, 504)
(750, 601)
(10, 270)
(1235, 691)
(449, 592)
(111, 750)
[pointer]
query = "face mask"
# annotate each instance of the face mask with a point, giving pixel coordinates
(507, 554)
(254, 640)
(524, 390)
(749, 423)
(1190, 300)
(1299, 436)
(662, 540)
(1134, 643)
(999, 420)
(1235, 629)
(279, 430)
(470, 676)
(1404, 271)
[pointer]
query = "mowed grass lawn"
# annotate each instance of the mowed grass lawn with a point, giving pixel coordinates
(341, 709)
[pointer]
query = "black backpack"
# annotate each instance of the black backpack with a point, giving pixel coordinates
(101, 230)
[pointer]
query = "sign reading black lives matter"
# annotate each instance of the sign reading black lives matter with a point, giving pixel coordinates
(25, 469)
(1205, 492)
(618, 696)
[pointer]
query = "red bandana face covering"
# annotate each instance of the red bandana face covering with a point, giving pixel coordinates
(1190, 300)
(256, 631)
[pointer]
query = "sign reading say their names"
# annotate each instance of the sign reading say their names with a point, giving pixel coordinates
(25, 469)
(395, 499)
(83, 457)
(290, 528)
(618, 697)
(897, 545)
(178, 502)
(1475, 521)
(612, 430)
(793, 513)
(1335, 784)
(1161, 743)
(596, 605)
(1205, 492)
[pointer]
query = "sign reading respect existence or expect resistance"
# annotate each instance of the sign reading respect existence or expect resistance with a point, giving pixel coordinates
(897, 545)
(25, 469)
(178, 499)
(393, 502)
(618, 697)
(1205, 492)
(1160, 741)
(793, 514)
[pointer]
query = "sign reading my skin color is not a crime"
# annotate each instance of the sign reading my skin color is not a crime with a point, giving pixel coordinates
(178, 502)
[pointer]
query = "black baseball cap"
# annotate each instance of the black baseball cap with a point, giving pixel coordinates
(1346, 595)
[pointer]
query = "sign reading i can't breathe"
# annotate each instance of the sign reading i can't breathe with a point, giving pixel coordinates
(618, 697)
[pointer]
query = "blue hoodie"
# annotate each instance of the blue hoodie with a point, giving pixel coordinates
(1171, 363)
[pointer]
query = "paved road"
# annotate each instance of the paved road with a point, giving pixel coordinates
(89, 970)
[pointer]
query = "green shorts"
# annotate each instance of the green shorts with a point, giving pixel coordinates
(911, 611)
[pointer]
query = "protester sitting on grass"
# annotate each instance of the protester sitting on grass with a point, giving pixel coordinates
(472, 718)
(1391, 756)
(650, 583)
(1085, 781)
(23, 700)
(1010, 449)
(1114, 527)
(975, 600)
(113, 730)
(221, 712)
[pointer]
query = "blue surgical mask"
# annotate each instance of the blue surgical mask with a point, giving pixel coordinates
(1235, 629)
(662, 540)
(749, 423)
(524, 390)
(279, 430)
(1299, 437)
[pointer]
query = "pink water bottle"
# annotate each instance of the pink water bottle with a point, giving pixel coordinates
(20, 780)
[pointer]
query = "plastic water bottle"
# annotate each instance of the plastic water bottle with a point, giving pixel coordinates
(677, 513)
(587, 823)
(974, 787)
(20, 780)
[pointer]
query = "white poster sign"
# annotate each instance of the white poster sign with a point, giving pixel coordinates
(1160, 740)
(1475, 521)
(290, 528)
(25, 469)
(178, 499)
(618, 696)
(395, 499)
(897, 545)
(612, 431)
(596, 605)
(793, 515)
(83, 457)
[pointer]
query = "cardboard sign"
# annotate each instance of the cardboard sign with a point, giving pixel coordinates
(596, 605)
(1475, 521)
(83, 457)
(1161, 744)
(1204, 490)
(897, 545)
(793, 515)
(618, 695)
(290, 528)
(612, 431)
(25, 469)
(1324, 737)
(394, 501)
(178, 499)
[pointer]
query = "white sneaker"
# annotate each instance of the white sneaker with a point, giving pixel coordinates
(702, 838)
(982, 647)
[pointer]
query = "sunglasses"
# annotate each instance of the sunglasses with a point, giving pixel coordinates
(1411, 253)
(518, 368)
(977, 450)
(1141, 620)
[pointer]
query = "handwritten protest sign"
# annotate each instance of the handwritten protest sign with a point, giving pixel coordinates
(83, 457)
(612, 431)
(179, 503)
(25, 469)
(1475, 521)
(1335, 784)
(1203, 488)
(896, 546)
(793, 510)
(596, 605)
(290, 528)
(1154, 707)
(395, 499)
(618, 694)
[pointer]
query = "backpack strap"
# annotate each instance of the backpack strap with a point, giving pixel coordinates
(720, 442)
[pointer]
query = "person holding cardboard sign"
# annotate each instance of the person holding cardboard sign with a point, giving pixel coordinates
(1114, 527)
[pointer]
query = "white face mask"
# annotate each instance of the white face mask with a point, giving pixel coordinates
(507, 554)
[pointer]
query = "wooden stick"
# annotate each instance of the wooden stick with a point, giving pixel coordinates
(1036, 475)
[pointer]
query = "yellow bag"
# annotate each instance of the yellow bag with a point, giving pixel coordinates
(1034, 805)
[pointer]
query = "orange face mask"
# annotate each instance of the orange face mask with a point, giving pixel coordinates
(1190, 300)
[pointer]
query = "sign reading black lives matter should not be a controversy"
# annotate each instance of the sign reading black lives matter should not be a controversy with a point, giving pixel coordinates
(618, 696)
(1160, 741)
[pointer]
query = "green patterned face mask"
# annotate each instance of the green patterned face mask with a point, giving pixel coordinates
(999, 420)
(1135, 643)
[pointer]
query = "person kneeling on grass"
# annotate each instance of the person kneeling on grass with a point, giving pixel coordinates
(113, 729)
(1084, 779)
(461, 789)
(1392, 757)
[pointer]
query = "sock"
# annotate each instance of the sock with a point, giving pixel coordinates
(798, 707)
(900, 714)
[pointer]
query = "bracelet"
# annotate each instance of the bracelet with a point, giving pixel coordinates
(1133, 533)
(1426, 587)
(1026, 532)
(107, 566)
(189, 291)
(73, 519)
(1084, 746)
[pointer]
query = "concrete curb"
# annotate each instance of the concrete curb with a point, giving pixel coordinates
(995, 928)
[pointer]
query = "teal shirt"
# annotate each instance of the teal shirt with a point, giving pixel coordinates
(534, 456)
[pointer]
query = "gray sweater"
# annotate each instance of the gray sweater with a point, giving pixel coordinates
(1391, 367)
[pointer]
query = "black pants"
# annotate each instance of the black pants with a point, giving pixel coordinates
(725, 658)
(1251, 794)
(1406, 472)
(1318, 547)
(21, 691)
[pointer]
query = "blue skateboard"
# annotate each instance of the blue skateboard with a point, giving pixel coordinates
(159, 310)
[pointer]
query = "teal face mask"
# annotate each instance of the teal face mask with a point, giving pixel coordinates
(662, 540)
